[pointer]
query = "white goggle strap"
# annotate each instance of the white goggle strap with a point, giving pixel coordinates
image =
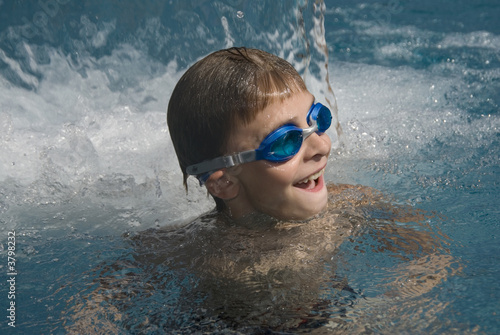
(222, 162)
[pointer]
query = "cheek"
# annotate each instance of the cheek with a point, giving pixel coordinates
(265, 179)
(281, 175)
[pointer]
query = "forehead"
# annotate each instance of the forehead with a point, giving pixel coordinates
(291, 110)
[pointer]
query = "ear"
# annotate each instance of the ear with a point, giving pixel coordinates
(222, 185)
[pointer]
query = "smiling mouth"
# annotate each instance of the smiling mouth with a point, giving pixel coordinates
(310, 182)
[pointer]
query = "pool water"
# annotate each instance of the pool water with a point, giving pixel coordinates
(87, 163)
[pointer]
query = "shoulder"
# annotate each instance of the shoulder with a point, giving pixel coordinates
(173, 241)
(342, 195)
(204, 222)
(372, 203)
(339, 188)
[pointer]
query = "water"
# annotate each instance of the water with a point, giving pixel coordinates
(86, 157)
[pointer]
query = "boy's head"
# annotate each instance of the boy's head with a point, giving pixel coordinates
(229, 102)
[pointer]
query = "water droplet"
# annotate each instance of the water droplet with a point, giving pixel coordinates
(240, 14)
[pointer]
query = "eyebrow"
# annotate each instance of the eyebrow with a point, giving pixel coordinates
(293, 119)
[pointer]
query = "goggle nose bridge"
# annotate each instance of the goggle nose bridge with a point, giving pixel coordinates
(308, 131)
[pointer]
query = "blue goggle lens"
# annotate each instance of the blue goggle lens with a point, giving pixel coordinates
(286, 145)
(324, 119)
(321, 115)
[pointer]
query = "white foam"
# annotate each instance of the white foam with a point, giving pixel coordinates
(79, 136)
(392, 114)
(475, 39)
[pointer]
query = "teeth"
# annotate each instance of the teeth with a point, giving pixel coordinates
(312, 177)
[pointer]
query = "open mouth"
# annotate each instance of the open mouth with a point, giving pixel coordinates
(311, 182)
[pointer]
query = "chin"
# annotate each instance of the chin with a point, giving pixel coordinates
(305, 213)
(313, 203)
(316, 206)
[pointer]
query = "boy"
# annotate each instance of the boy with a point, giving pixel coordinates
(243, 122)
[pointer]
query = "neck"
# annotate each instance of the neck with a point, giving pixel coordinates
(252, 220)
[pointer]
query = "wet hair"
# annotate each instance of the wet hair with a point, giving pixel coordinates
(221, 91)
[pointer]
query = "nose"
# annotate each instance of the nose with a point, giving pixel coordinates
(317, 146)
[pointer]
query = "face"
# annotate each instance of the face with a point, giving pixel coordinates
(291, 190)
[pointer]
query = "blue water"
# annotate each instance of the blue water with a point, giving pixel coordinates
(86, 158)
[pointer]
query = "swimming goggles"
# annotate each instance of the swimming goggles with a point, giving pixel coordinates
(279, 146)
